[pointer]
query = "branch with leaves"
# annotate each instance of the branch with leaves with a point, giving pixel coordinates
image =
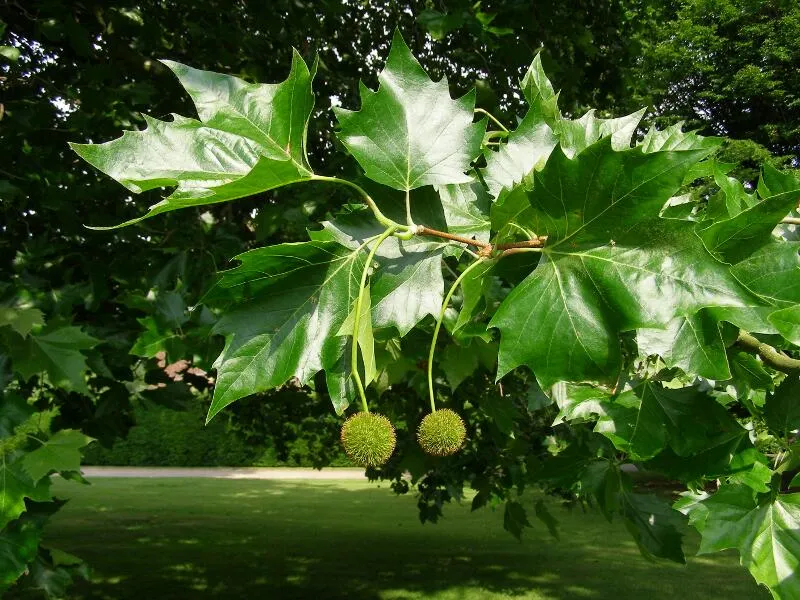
(614, 292)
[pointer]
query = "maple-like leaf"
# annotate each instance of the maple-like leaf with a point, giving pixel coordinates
(59, 453)
(610, 263)
(407, 284)
(57, 352)
(15, 486)
(410, 132)
(250, 138)
(21, 320)
(766, 264)
(764, 533)
(291, 300)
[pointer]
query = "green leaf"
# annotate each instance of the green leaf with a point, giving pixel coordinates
(60, 453)
(645, 419)
(734, 239)
(773, 272)
(153, 340)
(15, 486)
(408, 285)
(295, 299)
(274, 115)
(502, 411)
(515, 518)
(765, 534)
(56, 351)
(610, 264)
(410, 133)
(544, 515)
(692, 343)
(21, 320)
(747, 371)
(782, 409)
(19, 545)
(573, 135)
(528, 147)
(674, 138)
(14, 410)
(458, 364)
(536, 87)
(10, 52)
(653, 525)
(787, 322)
(773, 182)
(251, 138)
(473, 287)
(465, 209)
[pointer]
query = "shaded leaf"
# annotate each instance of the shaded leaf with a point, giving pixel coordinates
(56, 351)
(15, 486)
(515, 518)
(21, 320)
(782, 409)
(59, 453)
(292, 300)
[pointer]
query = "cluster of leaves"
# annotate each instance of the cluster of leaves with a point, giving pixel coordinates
(633, 305)
(85, 72)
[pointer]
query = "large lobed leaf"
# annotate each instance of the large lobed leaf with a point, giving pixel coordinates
(610, 263)
(250, 138)
(766, 534)
(291, 300)
(410, 132)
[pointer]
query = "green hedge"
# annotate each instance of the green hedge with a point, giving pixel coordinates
(179, 438)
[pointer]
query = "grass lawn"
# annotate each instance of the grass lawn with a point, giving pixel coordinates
(205, 538)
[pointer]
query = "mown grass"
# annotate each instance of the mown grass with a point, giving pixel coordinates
(203, 538)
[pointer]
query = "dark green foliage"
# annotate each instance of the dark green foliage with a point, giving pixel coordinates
(728, 66)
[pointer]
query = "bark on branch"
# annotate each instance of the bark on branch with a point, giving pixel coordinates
(776, 360)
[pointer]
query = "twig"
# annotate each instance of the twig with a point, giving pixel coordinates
(776, 360)
(791, 221)
(486, 247)
(537, 242)
(422, 230)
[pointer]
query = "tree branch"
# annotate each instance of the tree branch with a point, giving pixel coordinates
(776, 360)
(486, 247)
(422, 230)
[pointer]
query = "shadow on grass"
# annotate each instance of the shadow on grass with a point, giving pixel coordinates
(186, 538)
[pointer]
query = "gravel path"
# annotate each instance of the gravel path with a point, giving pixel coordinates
(223, 472)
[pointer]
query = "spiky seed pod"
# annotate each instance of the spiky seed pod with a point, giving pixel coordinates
(368, 439)
(442, 433)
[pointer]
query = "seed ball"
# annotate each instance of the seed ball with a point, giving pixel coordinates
(368, 439)
(442, 433)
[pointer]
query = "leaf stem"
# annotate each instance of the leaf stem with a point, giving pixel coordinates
(357, 317)
(409, 220)
(382, 219)
(492, 117)
(776, 360)
(436, 329)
